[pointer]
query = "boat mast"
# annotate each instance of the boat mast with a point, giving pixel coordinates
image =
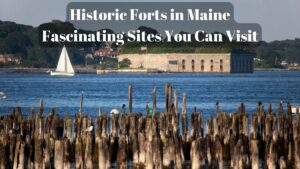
(65, 59)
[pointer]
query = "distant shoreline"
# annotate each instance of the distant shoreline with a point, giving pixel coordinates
(83, 70)
(43, 70)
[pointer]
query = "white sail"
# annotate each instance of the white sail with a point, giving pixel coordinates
(64, 66)
(64, 63)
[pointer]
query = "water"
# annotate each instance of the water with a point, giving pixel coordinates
(110, 90)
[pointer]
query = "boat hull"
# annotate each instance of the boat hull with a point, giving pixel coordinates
(63, 74)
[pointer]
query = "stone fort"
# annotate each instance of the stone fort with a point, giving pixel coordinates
(193, 62)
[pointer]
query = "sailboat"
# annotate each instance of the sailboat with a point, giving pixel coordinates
(64, 66)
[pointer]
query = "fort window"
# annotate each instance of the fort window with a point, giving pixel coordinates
(183, 64)
(221, 65)
(193, 65)
(202, 65)
(211, 65)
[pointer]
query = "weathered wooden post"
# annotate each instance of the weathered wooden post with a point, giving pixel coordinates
(211, 158)
(270, 108)
(184, 115)
(200, 125)
(48, 125)
(240, 153)
(198, 153)
(154, 100)
(130, 98)
(282, 163)
(168, 97)
(40, 126)
(272, 155)
(47, 152)
(169, 151)
(281, 119)
(245, 124)
(297, 153)
(103, 154)
(291, 155)
(68, 127)
(4, 157)
(41, 106)
(19, 154)
(79, 160)
(235, 156)
(67, 156)
(38, 152)
(122, 153)
(22, 157)
(218, 150)
(179, 155)
(215, 127)
(81, 103)
(149, 154)
(254, 153)
(208, 127)
(77, 125)
(115, 125)
(88, 160)
(59, 154)
(254, 126)
(175, 102)
(135, 150)
(142, 151)
(157, 152)
(226, 150)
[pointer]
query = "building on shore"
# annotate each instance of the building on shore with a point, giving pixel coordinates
(108, 52)
(193, 62)
(9, 58)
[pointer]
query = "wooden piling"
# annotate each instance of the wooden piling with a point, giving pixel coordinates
(41, 107)
(49, 141)
(38, 152)
(154, 100)
(184, 115)
(79, 158)
(175, 101)
(168, 103)
(59, 154)
(170, 98)
(130, 98)
(122, 153)
(103, 154)
(81, 103)
(297, 153)
(88, 160)
(254, 153)
(67, 156)
(68, 127)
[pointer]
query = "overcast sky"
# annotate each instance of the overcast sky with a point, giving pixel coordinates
(279, 19)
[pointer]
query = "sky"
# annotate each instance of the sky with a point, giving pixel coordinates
(279, 19)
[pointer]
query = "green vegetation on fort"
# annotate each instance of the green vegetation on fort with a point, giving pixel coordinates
(22, 41)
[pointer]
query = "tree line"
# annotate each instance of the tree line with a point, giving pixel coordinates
(23, 42)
